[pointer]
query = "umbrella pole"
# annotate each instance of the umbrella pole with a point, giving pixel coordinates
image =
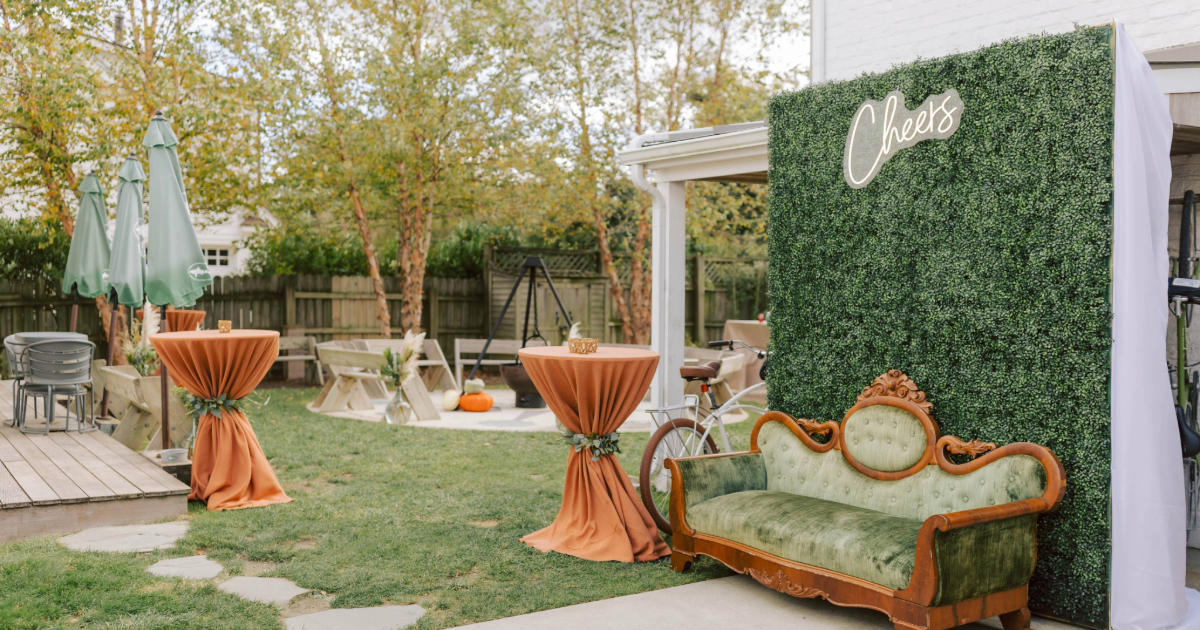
(166, 394)
(112, 342)
(74, 307)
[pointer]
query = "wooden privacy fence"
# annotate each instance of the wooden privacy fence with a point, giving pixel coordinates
(343, 307)
(39, 305)
(729, 288)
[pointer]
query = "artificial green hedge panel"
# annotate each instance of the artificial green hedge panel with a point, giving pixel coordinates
(979, 265)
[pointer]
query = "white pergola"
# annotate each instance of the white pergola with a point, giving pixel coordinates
(732, 153)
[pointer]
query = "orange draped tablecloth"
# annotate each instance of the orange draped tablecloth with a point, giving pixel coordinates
(180, 320)
(602, 517)
(229, 470)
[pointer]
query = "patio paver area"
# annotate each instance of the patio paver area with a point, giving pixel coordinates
(378, 618)
(127, 538)
(187, 567)
(263, 589)
(505, 416)
(720, 604)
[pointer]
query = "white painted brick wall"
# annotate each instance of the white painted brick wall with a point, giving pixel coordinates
(873, 35)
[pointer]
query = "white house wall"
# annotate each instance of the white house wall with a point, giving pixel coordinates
(874, 35)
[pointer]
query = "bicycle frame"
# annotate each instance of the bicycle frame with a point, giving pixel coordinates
(712, 417)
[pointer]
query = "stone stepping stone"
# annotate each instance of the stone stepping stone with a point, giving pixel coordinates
(377, 618)
(276, 591)
(127, 538)
(191, 568)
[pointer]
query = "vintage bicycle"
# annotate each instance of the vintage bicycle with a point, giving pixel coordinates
(685, 429)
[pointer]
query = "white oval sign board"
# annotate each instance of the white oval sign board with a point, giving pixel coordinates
(880, 129)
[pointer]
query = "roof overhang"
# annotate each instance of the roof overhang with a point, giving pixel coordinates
(1177, 69)
(739, 156)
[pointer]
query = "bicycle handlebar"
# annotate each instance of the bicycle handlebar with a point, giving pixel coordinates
(730, 343)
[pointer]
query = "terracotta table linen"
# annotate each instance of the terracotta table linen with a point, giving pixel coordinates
(229, 469)
(180, 320)
(755, 333)
(602, 517)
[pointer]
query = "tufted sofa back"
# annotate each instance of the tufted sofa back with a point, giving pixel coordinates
(792, 467)
(884, 438)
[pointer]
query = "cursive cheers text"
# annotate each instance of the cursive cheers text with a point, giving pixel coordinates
(880, 129)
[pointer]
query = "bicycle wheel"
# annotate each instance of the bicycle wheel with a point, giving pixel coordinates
(676, 438)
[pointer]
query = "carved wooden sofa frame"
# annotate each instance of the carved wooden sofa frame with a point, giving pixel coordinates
(911, 607)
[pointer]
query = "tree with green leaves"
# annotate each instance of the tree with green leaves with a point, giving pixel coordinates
(51, 110)
(306, 59)
(616, 67)
(447, 78)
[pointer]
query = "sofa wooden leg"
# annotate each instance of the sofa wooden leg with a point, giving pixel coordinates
(1016, 620)
(681, 563)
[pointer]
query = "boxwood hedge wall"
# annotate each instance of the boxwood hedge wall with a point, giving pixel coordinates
(978, 264)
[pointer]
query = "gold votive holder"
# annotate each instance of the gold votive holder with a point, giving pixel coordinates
(224, 325)
(582, 346)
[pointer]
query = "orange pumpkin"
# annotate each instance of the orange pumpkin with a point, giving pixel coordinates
(481, 401)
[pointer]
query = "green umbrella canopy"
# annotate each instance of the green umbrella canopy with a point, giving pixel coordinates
(127, 271)
(176, 273)
(88, 260)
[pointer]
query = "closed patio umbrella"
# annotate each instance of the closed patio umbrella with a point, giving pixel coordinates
(87, 263)
(127, 265)
(176, 272)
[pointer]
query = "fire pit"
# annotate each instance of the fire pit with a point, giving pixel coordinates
(514, 374)
(518, 380)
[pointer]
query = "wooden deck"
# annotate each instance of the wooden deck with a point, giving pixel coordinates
(69, 481)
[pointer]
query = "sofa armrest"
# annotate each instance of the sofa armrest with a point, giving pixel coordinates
(985, 557)
(981, 533)
(696, 479)
(961, 555)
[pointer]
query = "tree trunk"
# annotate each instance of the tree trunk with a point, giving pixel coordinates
(637, 331)
(106, 317)
(640, 285)
(364, 230)
(360, 214)
(412, 246)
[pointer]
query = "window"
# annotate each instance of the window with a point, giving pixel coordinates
(217, 257)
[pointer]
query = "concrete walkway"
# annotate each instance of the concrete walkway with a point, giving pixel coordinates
(505, 416)
(733, 602)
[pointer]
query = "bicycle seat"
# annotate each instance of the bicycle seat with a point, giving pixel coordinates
(701, 372)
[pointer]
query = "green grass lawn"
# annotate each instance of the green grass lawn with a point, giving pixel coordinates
(383, 515)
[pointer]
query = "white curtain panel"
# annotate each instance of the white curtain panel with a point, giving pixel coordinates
(1148, 531)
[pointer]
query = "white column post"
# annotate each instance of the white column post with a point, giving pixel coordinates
(667, 294)
(816, 57)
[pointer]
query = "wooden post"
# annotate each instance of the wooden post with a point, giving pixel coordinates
(74, 308)
(113, 306)
(487, 292)
(289, 308)
(434, 311)
(166, 391)
(760, 276)
(699, 282)
(610, 335)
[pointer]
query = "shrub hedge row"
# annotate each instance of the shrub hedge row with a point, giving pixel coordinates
(978, 264)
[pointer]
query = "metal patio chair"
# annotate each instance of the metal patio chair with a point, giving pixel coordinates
(57, 368)
(12, 356)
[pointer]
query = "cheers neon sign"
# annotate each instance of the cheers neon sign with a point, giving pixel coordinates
(880, 129)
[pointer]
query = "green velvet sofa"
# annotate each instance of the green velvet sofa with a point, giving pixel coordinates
(876, 515)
